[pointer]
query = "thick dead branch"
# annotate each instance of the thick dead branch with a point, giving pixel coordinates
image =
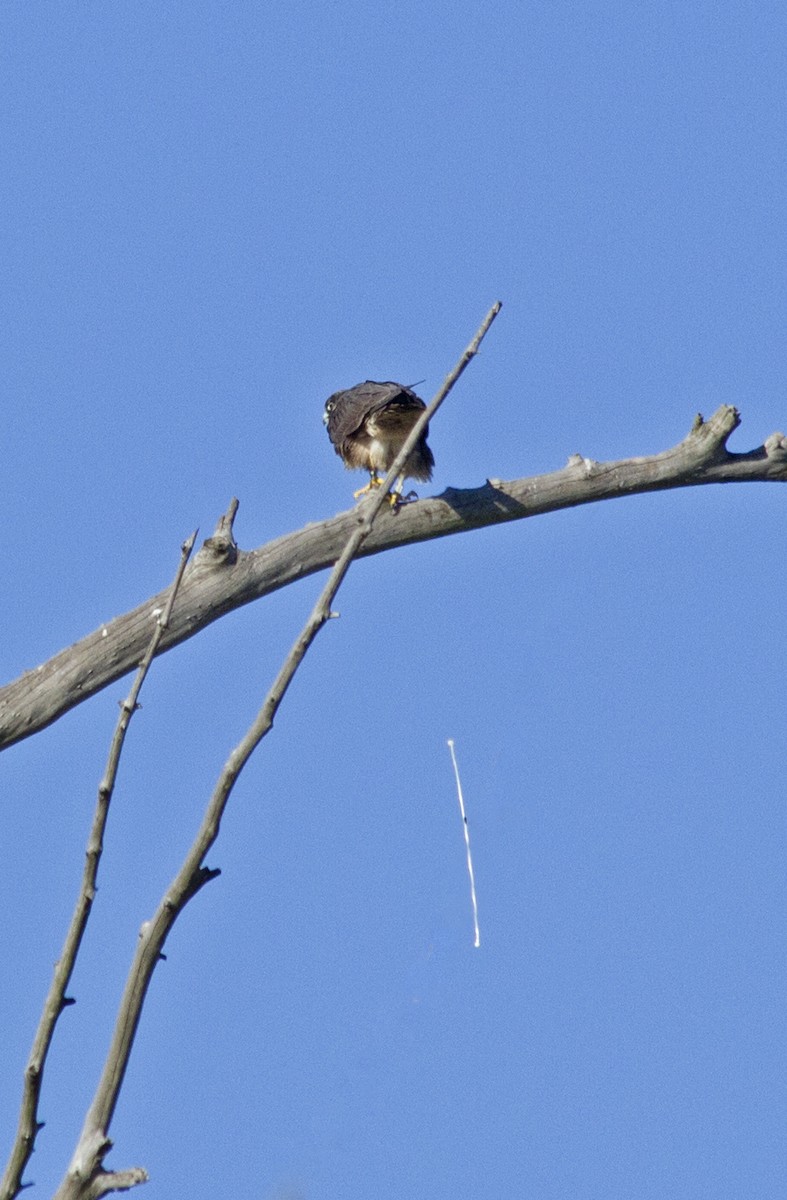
(223, 578)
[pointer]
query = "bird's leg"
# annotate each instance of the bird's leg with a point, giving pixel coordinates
(396, 497)
(395, 494)
(374, 482)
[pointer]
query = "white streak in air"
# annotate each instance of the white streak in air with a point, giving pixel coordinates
(477, 940)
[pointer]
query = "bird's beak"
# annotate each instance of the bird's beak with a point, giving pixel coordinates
(325, 418)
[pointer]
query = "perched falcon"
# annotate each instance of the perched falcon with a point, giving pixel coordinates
(368, 425)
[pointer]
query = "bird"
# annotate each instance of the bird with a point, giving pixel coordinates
(368, 425)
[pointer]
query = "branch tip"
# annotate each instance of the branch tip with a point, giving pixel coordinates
(776, 446)
(227, 520)
(116, 1181)
(712, 435)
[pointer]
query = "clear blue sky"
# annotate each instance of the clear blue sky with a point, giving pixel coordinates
(213, 216)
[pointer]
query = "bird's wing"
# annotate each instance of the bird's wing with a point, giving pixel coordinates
(393, 406)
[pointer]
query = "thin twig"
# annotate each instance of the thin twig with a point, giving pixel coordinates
(85, 1170)
(417, 429)
(465, 827)
(56, 999)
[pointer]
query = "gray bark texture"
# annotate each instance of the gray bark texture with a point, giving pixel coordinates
(222, 577)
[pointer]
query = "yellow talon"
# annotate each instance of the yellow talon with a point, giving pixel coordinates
(374, 482)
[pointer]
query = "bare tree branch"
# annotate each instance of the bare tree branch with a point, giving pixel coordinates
(85, 1178)
(223, 578)
(56, 999)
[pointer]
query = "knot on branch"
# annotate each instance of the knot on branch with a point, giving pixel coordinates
(221, 549)
(586, 465)
(198, 880)
(776, 447)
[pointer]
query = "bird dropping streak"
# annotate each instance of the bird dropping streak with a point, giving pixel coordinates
(477, 938)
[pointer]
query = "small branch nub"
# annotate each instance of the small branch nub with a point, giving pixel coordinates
(221, 549)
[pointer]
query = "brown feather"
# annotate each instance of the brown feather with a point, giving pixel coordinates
(368, 425)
